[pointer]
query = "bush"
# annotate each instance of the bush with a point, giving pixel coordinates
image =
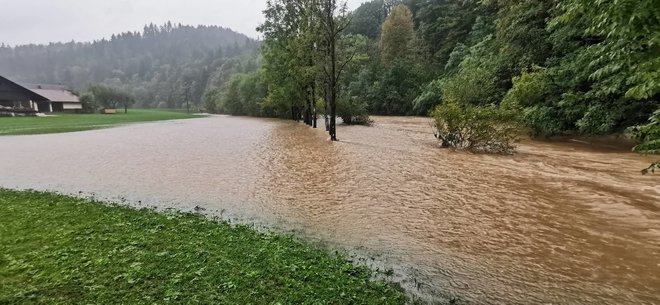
(353, 111)
(430, 97)
(534, 92)
(211, 99)
(649, 138)
(491, 129)
(543, 121)
(88, 103)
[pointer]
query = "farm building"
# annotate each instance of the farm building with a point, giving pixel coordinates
(30, 99)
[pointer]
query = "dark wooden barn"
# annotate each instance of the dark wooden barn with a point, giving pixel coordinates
(17, 99)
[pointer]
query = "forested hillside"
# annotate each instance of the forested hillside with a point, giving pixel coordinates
(162, 66)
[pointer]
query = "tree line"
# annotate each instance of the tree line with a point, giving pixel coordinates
(163, 66)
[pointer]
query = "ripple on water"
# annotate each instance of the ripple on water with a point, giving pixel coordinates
(555, 223)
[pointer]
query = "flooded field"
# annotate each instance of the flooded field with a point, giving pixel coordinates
(558, 222)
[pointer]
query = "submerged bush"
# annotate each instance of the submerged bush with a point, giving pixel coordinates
(491, 128)
(353, 111)
(649, 138)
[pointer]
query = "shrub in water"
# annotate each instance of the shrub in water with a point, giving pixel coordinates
(489, 128)
(649, 137)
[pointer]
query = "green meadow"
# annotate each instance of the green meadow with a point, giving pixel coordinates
(56, 249)
(69, 122)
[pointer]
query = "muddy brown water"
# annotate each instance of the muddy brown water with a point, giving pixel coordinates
(557, 223)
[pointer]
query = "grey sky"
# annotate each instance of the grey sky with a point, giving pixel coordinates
(43, 21)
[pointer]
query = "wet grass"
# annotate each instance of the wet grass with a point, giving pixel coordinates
(56, 249)
(66, 122)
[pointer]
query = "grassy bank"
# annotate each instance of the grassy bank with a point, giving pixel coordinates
(78, 122)
(56, 249)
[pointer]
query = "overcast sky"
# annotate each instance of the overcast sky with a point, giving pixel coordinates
(44, 21)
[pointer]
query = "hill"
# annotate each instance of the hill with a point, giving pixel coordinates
(162, 66)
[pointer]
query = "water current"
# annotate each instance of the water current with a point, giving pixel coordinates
(561, 222)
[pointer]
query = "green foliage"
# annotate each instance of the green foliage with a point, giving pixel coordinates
(212, 99)
(648, 136)
(529, 89)
(89, 104)
(398, 36)
(392, 79)
(533, 91)
(353, 111)
(398, 86)
(243, 95)
(444, 24)
(478, 80)
(292, 55)
(472, 85)
(352, 106)
(367, 19)
(521, 32)
(630, 46)
(570, 65)
(63, 250)
(544, 120)
(430, 97)
(488, 128)
(108, 97)
(307, 54)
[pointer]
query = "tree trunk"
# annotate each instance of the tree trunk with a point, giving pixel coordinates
(326, 108)
(333, 79)
(314, 114)
(308, 108)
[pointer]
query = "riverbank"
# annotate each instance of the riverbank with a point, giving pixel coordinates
(68, 122)
(65, 250)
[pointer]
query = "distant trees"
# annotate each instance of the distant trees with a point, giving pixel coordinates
(397, 38)
(399, 69)
(168, 65)
(367, 19)
(108, 97)
(244, 94)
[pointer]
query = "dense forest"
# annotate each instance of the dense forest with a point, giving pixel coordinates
(162, 66)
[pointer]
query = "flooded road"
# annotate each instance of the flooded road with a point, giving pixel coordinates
(557, 223)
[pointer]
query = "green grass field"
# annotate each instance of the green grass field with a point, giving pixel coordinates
(61, 250)
(79, 122)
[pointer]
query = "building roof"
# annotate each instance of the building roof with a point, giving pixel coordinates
(11, 91)
(44, 86)
(57, 95)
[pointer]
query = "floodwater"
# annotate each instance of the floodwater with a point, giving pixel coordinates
(556, 223)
